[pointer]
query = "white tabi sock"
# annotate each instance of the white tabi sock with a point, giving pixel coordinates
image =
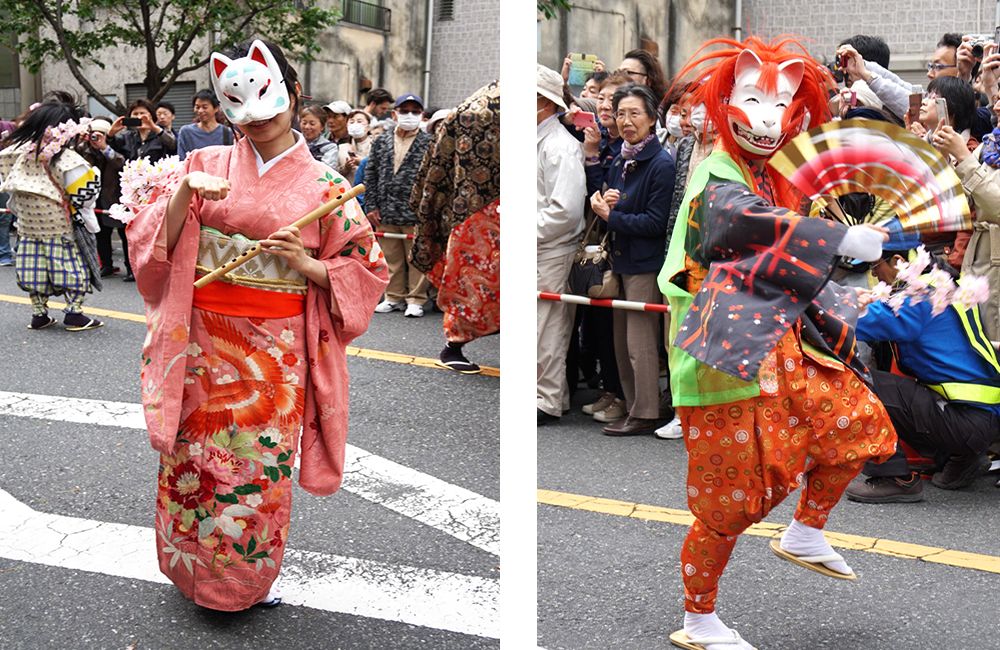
(802, 540)
(702, 626)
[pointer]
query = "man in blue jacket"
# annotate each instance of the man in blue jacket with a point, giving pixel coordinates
(949, 410)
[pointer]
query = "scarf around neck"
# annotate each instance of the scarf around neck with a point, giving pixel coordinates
(991, 148)
(630, 151)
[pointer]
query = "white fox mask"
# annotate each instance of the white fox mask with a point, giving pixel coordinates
(250, 88)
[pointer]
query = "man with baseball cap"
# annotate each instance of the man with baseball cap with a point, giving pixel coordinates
(393, 163)
(561, 191)
(336, 120)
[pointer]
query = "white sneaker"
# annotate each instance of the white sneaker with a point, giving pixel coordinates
(414, 311)
(671, 430)
(385, 307)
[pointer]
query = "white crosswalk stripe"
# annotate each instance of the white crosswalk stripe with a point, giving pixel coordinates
(409, 594)
(461, 513)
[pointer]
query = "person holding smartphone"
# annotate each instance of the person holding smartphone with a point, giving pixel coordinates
(139, 136)
(960, 101)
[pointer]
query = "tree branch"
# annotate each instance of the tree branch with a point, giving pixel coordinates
(55, 21)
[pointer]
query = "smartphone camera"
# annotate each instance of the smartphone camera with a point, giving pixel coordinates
(132, 122)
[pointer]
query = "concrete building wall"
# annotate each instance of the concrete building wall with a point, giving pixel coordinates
(671, 29)
(911, 28)
(465, 51)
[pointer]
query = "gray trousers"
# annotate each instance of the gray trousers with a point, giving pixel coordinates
(555, 325)
(636, 336)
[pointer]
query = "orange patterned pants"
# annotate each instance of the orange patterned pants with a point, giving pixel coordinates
(814, 424)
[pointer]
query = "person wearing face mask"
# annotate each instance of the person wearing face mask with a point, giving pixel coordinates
(358, 145)
(694, 145)
(392, 166)
(232, 370)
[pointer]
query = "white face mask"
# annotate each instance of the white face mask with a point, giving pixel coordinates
(409, 121)
(697, 117)
(674, 124)
(357, 130)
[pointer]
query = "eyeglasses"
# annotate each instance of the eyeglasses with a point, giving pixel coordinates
(411, 112)
(633, 73)
(938, 67)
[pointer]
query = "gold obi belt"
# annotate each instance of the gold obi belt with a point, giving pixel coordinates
(263, 287)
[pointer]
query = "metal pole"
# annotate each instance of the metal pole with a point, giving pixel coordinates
(738, 20)
(427, 52)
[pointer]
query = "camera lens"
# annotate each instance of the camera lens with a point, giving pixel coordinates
(977, 50)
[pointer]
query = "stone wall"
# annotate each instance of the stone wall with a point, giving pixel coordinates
(465, 51)
(671, 29)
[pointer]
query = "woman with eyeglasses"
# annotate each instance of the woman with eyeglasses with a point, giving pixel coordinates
(644, 69)
(640, 182)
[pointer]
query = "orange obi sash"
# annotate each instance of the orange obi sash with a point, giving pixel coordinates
(264, 287)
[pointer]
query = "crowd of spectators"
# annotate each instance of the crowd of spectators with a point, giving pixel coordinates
(392, 132)
(613, 186)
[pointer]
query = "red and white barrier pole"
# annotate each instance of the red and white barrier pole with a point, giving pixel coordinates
(603, 302)
(8, 211)
(395, 235)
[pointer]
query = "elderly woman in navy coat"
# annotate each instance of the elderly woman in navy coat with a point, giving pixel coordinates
(635, 207)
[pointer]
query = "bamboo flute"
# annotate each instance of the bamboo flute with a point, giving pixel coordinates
(256, 249)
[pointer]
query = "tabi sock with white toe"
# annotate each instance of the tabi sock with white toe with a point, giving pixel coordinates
(702, 626)
(802, 540)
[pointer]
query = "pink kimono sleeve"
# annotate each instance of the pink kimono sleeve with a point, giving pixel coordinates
(165, 281)
(334, 317)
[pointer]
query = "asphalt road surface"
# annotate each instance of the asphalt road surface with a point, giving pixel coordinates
(404, 556)
(609, 572)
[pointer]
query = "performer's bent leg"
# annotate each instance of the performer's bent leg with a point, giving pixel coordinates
(727, 492)
(824, 485)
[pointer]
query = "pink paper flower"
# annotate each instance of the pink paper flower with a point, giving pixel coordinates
(140, 180)
(936, 286)
(972, 290)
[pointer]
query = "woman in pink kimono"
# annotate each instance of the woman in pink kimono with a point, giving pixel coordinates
(233, 372)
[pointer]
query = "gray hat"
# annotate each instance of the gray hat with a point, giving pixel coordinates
(549, 84)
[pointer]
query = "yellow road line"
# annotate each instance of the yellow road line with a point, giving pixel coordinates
(393, 357)
(960, 559)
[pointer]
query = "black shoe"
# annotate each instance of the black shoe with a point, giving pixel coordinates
(78, 322)
(886, 489)
(544, 418)
(960, 471)
(452, 358)
(108, 271)
(41, 321)
(128, 277)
